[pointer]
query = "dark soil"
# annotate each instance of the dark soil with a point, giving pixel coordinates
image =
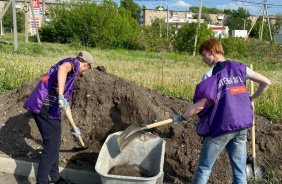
(103, 104)
(130, 170)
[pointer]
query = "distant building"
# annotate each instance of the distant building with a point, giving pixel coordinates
(239, 33)
(173, 18)
(178, 22)
(219, 31)
(146, 16)
(278, 37)
(217, 18)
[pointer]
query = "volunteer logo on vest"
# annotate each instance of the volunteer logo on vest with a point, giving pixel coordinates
(44, 78)
(238, 89)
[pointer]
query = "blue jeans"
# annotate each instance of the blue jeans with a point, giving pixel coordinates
(235, 143)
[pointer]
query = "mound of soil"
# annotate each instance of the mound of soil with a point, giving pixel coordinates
(103, 104)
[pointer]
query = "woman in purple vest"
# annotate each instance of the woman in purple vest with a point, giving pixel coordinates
(224, 107)
(57, 84)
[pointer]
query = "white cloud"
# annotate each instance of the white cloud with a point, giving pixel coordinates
(234, 6)
(180, 4)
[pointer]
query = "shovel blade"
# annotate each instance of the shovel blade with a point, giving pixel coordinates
(133, 132)
(255, 172)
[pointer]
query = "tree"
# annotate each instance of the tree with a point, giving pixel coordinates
(257, 29)
(185, 38)
(8, 20)
(158, 7)
(155, 38)
(133, 7)
(278, 23)
(238, 18)
(105, 25)
(195, 9)
(227, 11)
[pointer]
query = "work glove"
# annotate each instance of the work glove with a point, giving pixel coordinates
(177, 119)
(65, 105)
(77, 132)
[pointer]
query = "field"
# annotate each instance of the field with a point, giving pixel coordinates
(173, 74)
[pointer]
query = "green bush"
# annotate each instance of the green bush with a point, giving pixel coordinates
(154, 37)
(8, 20)
(104, 25)
(234, 46)
(185, 38)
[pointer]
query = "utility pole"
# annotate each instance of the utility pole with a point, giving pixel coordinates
(167, 21)
(268, 24)
(26, 9)
(160, 8)
(199, 18)
(264, 7)
(15, 24)
(2, 33)
(244, 24)
(261, 30)
(43, 13)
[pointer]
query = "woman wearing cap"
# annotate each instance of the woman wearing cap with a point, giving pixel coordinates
(57, 84)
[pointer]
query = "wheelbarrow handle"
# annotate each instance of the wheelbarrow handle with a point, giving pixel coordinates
(72, 124)
(159, 123)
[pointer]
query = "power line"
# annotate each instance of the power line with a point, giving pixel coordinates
(257, 3)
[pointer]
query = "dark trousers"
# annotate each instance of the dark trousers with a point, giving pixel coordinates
(49, 162)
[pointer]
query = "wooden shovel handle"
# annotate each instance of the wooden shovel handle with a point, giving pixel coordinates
(159, 123)
(253, 127)
(72, 124)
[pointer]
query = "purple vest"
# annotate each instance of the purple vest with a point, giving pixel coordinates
(228, 107)
(35, 100)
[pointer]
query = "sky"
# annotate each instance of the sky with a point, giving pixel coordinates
(253, 6)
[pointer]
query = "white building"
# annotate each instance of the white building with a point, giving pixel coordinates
(219, 31)
(239, 33)
(176, 21)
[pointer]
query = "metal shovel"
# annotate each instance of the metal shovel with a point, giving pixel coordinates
(77, 148)
(254, 171)
(134, 131)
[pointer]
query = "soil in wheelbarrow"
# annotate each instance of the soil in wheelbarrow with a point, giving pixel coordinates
(130, 170)
(103, 104)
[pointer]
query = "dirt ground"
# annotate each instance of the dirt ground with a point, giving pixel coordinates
(103, 104)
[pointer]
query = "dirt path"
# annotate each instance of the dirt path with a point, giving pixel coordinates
(103, 104)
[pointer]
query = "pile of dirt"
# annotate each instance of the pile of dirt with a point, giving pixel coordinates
(103, 104)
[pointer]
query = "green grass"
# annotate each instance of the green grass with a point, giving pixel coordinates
(173, 74)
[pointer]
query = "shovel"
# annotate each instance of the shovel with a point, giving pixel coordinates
(77, 148)
(254, 171)
(134, 131)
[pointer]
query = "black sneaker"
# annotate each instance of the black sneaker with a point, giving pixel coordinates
(61, 180)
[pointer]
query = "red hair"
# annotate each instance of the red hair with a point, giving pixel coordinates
(212, 44)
